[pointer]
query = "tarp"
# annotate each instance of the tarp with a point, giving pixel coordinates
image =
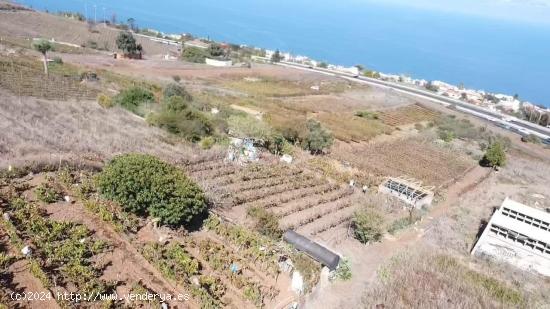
(313, 249)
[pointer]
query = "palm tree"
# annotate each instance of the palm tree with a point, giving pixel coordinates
(44, 47)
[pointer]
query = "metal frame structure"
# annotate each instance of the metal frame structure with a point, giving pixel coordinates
(410, 190)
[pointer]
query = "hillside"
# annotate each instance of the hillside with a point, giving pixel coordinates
(204, 214)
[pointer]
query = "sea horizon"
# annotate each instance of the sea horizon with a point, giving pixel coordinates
(497, 56)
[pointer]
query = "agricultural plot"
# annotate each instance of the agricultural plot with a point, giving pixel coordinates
(92, 246)
(24, 77)
(407, 115)
(299, 200)
(421, 159)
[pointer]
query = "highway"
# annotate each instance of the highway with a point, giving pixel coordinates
(508, 122)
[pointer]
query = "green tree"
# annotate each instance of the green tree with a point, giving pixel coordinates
(145, 185)
(367, 226)
(317, 138)
(132, 24)
(276, 57)
(322, 65)
(43, 47)
(215, 50)
(432, 87)
(127, 43)
(495, 155)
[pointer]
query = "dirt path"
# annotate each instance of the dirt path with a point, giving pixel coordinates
(367, 260)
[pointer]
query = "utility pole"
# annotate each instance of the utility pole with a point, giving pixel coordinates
(104, 18)
(86, 10)
(95, 14)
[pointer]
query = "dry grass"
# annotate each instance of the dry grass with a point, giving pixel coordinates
(348, 127)
(33, 130)
(425, 279)
(271, 87)
(29, 24)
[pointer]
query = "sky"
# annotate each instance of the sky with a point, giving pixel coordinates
(523, 11)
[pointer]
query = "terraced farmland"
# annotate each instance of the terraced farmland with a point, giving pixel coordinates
(299, 199)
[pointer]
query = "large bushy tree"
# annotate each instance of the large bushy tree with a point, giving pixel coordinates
(127, 43)
(145, 185)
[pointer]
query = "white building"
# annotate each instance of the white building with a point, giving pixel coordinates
(519, 235)
(218, 63)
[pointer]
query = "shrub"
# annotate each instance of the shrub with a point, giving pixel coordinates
(308, 268)
(176, 78)
(143, 185)
(446, 135)
(105, 101)
(343, 272)
(418, 126)
(57, 60)
(175, 104)
(266, 222)
(48, 193)
(367, 226)
(194, 54)
(495, 155)
(207, 142)
(246, 126)
(133, 97)
(189, 124)
(531, 138)
(176, 90)
(318, 138)
(367, 115)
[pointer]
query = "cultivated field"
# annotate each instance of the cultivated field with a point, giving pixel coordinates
(409, 114)
(300, 200)
(420, 158)
(89, 245)
(25, 77)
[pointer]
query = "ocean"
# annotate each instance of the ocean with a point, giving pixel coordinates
(489, 54)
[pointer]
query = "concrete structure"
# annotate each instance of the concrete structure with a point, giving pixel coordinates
(408, 190)
(219, 63)
(519, 235)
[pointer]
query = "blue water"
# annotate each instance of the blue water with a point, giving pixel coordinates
(494, 55)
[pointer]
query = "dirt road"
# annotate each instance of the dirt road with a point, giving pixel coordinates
(367, 260)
